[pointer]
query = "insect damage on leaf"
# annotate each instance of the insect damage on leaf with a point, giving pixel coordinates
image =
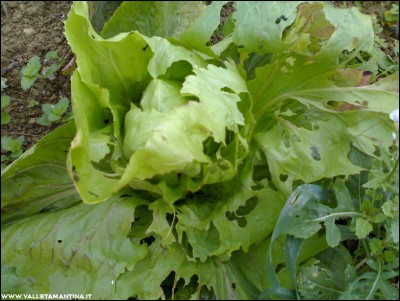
(193, 148)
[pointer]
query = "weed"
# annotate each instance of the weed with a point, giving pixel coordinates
(31, 72)
(53, 113)
(5, 101)
(32, 103)
(13, 145)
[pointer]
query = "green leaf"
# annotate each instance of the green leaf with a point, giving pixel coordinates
(38, 180)
(333, 235)
(48, 108)
(11, 282)
(53, 117)
(298, 152)
(51, 55)
(162, 95)
(156, 151)
(174, 65)
(167, 19)
(301, 196)
(32, 68)
(12, 145)
(50, 70)
(371, 286)
(44, 120)
(72, 245)
(262, 32)
(98, 186)
(61, 106)
(101, 11)
(363, 228)
(394, 230)
(327, 277)
(27, 82)
(292, 251)
(5, 101)
(5, 118)
(32, 103)
(3, 83)
(343, 196)
(215, 232)
(197, 36)
(125, 76)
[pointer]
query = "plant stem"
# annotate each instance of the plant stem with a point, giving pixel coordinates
(395, 167)
(63, 60)
(361, 263)
(366, 249)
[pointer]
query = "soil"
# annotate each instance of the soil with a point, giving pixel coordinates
(30, 28)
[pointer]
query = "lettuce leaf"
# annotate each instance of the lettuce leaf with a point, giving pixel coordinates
(85, 242)
(184, 152)
(38, 180)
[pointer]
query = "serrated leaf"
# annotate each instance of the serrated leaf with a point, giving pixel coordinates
(212, 233)
(32, 68)
(363, 228)
(12, 145)
(27, 82)
(51, 55)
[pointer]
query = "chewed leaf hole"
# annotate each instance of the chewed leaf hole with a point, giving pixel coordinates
(283, 178)
(226, 89)
(315, 154)
(148, 240)
(241, 221)
(251, 203)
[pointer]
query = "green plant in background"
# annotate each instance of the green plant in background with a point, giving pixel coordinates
(53, 112)
(32, 103)
(5, 102)
(392, 15)
(232, 171)
(31, 72)
(13, 145)
(3, 83)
